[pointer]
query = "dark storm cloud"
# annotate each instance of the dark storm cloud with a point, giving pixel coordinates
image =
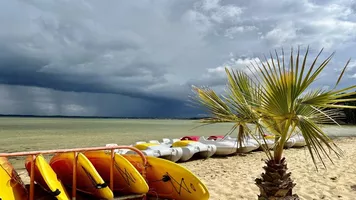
(18, 70)
(41, 101)
(151, 52)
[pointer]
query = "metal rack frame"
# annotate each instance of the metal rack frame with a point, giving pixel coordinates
(75, 152)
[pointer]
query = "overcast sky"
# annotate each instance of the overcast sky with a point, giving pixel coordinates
(140, 58)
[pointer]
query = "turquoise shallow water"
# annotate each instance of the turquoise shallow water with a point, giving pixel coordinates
(28, 134)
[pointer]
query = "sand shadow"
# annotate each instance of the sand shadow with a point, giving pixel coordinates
(42, 194)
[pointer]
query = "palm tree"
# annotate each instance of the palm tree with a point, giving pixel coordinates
(277, 97)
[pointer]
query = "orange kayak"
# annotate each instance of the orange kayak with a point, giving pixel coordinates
(88, 179)
(127, 180)
(167, 179)
(46, 177)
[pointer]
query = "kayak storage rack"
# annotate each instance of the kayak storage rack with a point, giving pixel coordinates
(75, 152)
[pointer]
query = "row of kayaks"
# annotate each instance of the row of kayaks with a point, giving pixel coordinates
(159, 178)
(183, 149)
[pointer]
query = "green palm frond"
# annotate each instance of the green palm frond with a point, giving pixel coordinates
(329, 98)
(242, 96)
(277, 98)
(215, 105)
(317, 141)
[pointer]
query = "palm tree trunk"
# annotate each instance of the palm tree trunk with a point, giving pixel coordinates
(276, 183)
(278, 152)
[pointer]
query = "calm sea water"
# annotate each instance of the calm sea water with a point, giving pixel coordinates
(28, 134)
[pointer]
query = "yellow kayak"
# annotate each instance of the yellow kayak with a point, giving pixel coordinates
(127, 180)
(88, 179)
(144, 146)
(167, 179)
(11, 186)
(47, 178)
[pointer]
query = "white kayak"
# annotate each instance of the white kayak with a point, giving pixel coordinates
(293, 141)
(266, 141)
(228, 145)
(166, 141)
(156, 150)
(247, 146)
(290, 143)
(269, 141)
(191, 148)
(299, 140)
(161, 150)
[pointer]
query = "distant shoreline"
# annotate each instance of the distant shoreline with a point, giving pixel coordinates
(107, 117)
(96, 117)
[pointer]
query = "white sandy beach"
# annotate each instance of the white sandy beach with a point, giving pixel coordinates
(233, 177)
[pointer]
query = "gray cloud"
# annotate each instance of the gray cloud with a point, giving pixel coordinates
(24, 100)
(151, 52)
